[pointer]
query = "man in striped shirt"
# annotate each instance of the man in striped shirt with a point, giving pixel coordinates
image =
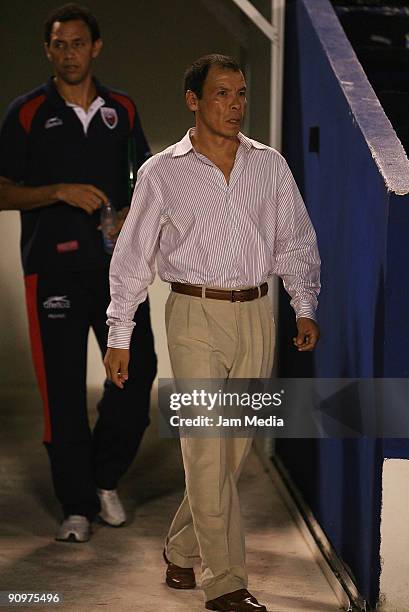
(219, 213)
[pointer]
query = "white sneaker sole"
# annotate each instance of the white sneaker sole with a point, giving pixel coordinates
(72, 540)
(102, 520)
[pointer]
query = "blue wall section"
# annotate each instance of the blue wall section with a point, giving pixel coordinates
(397, 289)
(396, 356)
(360, 228)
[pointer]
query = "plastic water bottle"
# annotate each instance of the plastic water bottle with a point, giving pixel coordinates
(108, 225)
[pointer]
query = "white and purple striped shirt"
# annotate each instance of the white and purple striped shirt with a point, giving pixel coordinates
(204, 231)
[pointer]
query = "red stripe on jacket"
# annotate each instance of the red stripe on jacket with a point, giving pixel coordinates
(31, 282)
(28, 110)
(126, 102)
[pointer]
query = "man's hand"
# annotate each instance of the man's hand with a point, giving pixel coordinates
(308, 334)
(121, 216)
(21, 197)
(87, 197)
(116, 365)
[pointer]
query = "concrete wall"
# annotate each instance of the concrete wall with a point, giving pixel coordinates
(394, 586)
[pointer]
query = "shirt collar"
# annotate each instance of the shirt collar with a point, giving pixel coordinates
(57, 100)
(185, 145)
(93, 107)
(249, 143)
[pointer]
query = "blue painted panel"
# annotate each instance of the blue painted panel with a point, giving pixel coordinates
(396, 449)
(396, 356)
(397, 289)
(349, 204)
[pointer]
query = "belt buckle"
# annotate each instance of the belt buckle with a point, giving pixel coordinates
(237, 292)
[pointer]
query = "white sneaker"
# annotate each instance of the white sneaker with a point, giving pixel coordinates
(75, 528)
(112, 510)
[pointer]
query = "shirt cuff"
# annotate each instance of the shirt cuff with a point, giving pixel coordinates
(119, 336)
(307, 311)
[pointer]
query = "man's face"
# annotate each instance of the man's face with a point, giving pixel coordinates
(71, 51)
(223, 103)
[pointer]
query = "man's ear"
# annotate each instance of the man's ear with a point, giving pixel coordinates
(191, 100)
(96, 47)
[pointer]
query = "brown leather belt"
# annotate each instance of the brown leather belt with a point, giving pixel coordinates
(233, 295)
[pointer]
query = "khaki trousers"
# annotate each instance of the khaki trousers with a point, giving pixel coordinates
(210, 338)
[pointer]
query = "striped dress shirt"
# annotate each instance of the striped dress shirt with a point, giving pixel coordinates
(204, 231)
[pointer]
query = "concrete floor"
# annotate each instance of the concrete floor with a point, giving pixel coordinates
(122, 569)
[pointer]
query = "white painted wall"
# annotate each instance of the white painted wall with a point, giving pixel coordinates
(395, 536)
(15, 358)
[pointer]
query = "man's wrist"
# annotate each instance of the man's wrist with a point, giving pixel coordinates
(55, 194)
(119, 337)
(309, 316)
(48, 194)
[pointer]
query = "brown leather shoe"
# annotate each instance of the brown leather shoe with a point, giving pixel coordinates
(237, 601)
(179, 577)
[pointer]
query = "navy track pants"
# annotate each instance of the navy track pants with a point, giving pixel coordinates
(62, 307)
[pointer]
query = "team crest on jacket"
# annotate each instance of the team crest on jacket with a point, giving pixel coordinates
(109, 117)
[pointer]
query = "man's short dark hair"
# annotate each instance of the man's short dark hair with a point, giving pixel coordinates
(72, 12)
(196, 74)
